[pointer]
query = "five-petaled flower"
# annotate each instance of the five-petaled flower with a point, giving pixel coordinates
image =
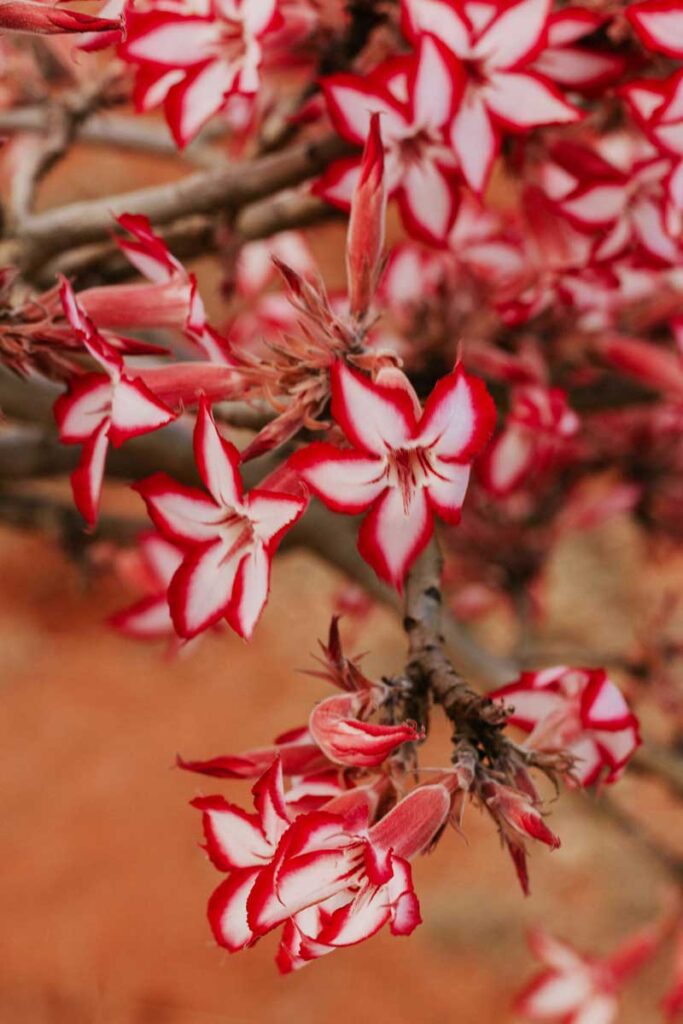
(330, 876)
(405, 464)
(416, 98)
(102, 407)
(573, 988)
(580, 711)
(230, 536)
(193, 57)
(495, 44)
(538, 424)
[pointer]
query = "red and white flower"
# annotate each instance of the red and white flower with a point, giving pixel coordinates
(230, 537)
(150, 618)
(329, 876)
(579, 711)
(168, 299)
(100, 408)
(569, 59)
(193, 57)
(657, 106)
(659, 24)
(416, 98)
(405, 464)
(296, 750)
(573, 988)
(537, 426)
(496, 44)
(620, 196)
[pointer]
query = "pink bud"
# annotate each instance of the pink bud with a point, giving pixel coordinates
(346, 739)
(44, 19)
(652, 365)
(411, 826)
(365, 241)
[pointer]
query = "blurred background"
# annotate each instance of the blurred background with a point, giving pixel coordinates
(104, 885)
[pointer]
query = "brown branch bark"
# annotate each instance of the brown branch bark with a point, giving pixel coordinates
(116, 130)
(228, 189)
(190, 237)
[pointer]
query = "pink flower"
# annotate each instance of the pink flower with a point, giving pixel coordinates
(169, 299)
(537, 425)
(569, 59)
(405, 464)
(296, 750)
(577, 710)
(256, 269)
(576, 989)
(620, 196)
(416, 98)
(149, 618)
(192, 58)
(328, 876)
(657, 106)
(659, 23)
(102, 407)
(231, 537)
(495, 43)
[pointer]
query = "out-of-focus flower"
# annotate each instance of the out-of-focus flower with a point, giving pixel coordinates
(496, 44)
(579, 711)
(576, 989)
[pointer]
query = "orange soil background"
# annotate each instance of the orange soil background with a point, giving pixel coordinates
(104, 885)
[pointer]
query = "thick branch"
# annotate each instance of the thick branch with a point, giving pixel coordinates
(190, 237)
(428, 658)
(204, 192)
(105, 129)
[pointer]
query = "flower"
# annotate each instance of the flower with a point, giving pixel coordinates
(101, 407)
(415, 98)
(168, 299)
(296, 750)
(495, 44)
(659, 24)
(329, 876)
(577, 710)
(405, 464)
(149, 618)
(230, 537)
(656, 106)
(569, 59)
(620, 195)
(576, 989)
(192, 58)
(538, 424)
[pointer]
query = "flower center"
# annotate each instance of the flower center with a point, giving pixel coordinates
(408, 469)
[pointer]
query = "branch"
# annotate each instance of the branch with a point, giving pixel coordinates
(107, 130)
(190, 237)
(62, 121)
(229, 189)
(428, 659)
